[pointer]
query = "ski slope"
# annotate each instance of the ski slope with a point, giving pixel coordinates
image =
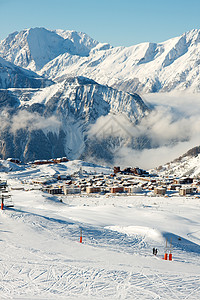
(42, 258)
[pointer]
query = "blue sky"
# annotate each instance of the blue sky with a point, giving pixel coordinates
(118, 22)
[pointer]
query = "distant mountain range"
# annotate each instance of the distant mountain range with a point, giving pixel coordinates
(61, 90)
(143, 68)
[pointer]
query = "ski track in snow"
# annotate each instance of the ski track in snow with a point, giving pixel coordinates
(56, 277)
(41, 257)
(55, 280)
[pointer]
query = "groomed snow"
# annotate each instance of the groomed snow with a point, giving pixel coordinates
(41, 257)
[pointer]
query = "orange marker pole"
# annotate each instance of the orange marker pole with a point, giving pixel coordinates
(165, 256)
(1, 203)
(170, 256)
(81, 238)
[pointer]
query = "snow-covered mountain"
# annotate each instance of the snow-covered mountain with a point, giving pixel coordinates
(33, 48)
(75, 108)
(39, 122)
(55, 121)
(147, 67)
(144, 68)
(187, 164)
(12, 76)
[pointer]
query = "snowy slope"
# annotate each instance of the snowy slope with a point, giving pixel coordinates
(33, 48)
(186, 165)
(89, 99)
(29, 172)
(12, 76)
(41, 257)
(55, 121)
(146, 67)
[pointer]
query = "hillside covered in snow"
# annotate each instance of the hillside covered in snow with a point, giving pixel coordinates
(187, 164)
(12, 76)
(82, 99)
(33, 48)
(143, 68)
(58, 120)
(41, 253)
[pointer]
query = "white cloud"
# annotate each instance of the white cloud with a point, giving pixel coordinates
(151, 158)
(4, 120)
(115, 125)
(173, 127)
(33, 121)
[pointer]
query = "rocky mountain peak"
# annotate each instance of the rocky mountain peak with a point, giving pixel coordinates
(33, 48)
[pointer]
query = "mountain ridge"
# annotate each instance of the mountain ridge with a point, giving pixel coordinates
(78, 93)
(187, 165)
(12, 76)
(144, 68)
(55, 121)
(32, 48)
